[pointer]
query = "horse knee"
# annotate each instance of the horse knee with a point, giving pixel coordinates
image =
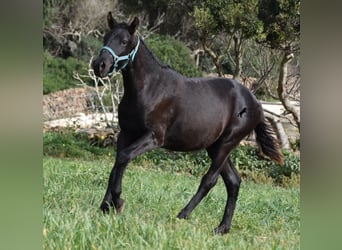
(232, 181)
(209, 181)
(234, 187)
(213, 181)
(122, 158)
(237, 181)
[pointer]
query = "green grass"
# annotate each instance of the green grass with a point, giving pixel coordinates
(266, 217)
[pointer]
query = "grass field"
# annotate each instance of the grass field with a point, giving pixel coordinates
(266, 217)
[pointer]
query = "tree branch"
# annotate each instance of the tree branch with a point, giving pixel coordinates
(281, 89)
(216, 59)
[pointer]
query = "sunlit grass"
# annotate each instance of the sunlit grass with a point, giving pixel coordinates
(266, 217)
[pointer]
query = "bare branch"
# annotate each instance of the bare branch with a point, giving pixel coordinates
(155, 27)
(269, 91)
(287, 57)
(280, 117)
(103, 87)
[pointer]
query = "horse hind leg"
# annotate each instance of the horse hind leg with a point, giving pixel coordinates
(208, 181)
(232, 182)
(218, 153)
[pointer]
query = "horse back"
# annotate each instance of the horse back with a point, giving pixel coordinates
(186, 113)
(203, 109)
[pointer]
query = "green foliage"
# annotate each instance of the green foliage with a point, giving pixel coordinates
(224, 28)
(173, 53)
(58, 72)
(152, 7)
(195, 163)
(245, 158)
(89, 47)
(281, 21)
(50, 10)
(253, 167)
(204, 20)
(145, 5)
(229, 17)
(266, 217)
(69, 144)
(241, 16)
(275, 23)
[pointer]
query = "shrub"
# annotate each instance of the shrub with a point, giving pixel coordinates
(58, 72)
(245, 158)
(249, 164)
(253, 167)
(68, 144)
(88, 47)
(173, 53)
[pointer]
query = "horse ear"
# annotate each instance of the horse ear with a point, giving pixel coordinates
(134, 25)
(111, 21)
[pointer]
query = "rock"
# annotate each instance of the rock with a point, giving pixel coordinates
(66, 103)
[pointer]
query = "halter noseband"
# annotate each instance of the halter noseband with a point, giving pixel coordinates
(117, 59)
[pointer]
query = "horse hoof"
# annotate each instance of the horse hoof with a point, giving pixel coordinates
(120, 209)
(182, 215)
(105, 207)
(221, 230)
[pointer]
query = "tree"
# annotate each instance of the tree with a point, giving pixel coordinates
(71, 27)
(153, 8)
(233, 21)
(281, 24)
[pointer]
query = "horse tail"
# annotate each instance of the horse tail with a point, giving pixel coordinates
(267, 142)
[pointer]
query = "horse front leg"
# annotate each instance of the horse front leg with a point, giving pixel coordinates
(124, 155)
(112, 196)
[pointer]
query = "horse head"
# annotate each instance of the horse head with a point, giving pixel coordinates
(120, 45)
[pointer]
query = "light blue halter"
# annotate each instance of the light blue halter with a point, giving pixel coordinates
(118, 59)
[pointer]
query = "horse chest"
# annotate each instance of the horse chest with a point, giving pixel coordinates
(130, 116)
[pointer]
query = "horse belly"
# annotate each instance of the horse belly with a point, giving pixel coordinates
(193, 134)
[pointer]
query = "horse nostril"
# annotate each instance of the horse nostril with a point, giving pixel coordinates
(102, 65)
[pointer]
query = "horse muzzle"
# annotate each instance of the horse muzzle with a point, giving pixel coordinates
(102, 67)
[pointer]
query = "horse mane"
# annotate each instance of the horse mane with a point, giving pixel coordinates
(155, 58)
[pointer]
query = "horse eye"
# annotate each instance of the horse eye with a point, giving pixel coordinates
(124, 42)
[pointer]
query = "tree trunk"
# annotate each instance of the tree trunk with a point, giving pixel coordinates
(281, 89)
(238, 57)
(279, 129)
(214, 57)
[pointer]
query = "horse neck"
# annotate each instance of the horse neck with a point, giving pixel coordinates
(145, 66)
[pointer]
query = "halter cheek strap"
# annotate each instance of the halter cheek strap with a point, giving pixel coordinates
(117, 59)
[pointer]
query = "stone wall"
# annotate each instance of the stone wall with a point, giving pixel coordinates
(67, 103)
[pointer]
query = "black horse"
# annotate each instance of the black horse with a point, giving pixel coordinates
(162, 108)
